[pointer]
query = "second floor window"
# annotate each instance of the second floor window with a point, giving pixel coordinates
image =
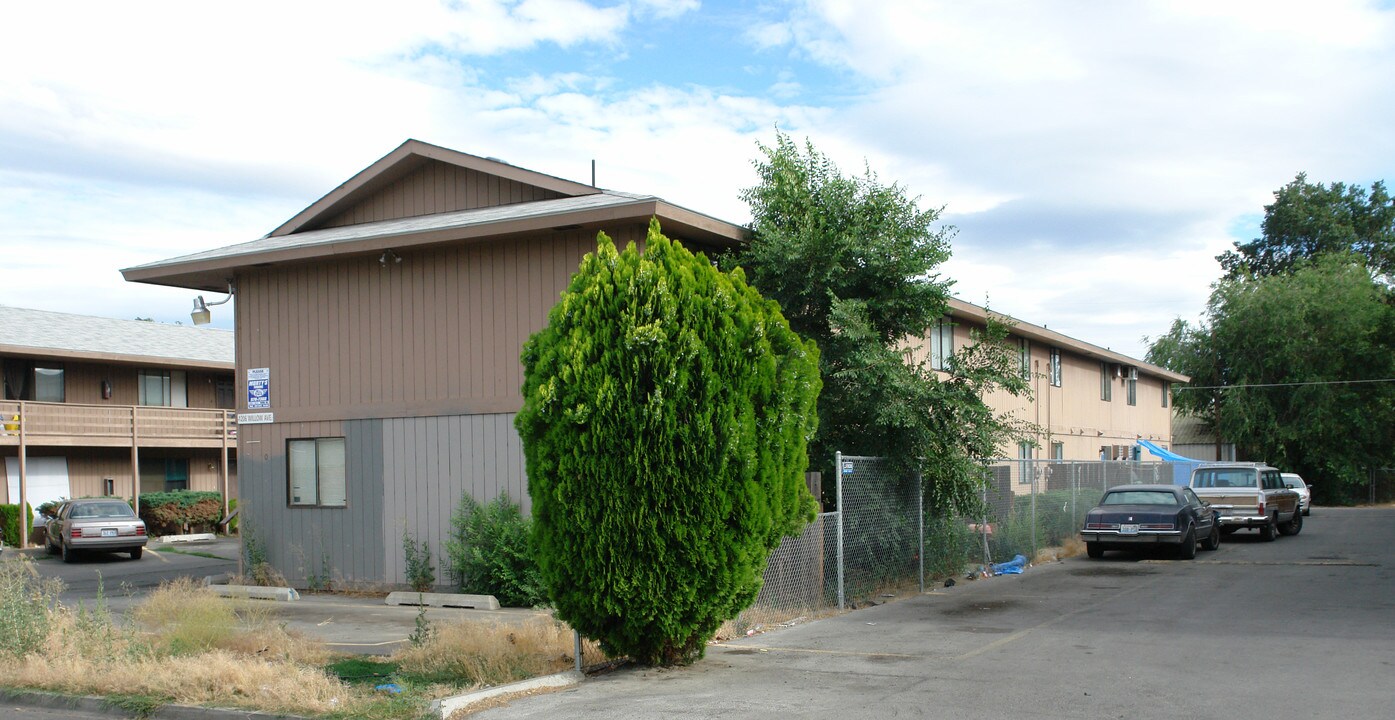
(1024, 358)
(48, 383)
(1106, 383)
(1056, 367)
(1167, 392)
(163, 388)
(941, 344)
(1133, 386)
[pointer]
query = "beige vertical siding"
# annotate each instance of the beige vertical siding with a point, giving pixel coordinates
(438, 187)
(82, 383)
(438, 334)
(87, 467)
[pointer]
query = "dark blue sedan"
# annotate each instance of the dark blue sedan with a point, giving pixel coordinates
(1144, 517)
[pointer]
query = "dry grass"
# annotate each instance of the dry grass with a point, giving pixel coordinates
(1070, 547)
(494, 654)
(88, 655)
(185, 617)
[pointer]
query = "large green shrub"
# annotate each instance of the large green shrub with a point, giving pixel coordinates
(667, 408)
(490, 552)
(9, 523)
(172, 513)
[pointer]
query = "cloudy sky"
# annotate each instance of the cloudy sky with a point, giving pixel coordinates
(1094, 156)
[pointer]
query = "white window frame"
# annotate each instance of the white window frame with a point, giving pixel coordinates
(1024, 357)
(56, 378)
(941, 344)
(173, 388)
(1024, 462)
(323, 480)
(1056, 367)
(1132, 386)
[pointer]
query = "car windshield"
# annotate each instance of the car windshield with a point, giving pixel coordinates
(1224, 478)
(102, 510)
(1140, 497)
(1293, 482)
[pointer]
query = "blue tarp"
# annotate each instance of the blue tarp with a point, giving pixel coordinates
(1181, 466)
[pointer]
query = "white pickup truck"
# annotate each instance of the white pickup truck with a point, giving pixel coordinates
(1249, 495)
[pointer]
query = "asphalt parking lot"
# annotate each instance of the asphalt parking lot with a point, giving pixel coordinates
(1289, 630)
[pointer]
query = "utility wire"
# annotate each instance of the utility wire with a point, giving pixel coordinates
(1290, 384)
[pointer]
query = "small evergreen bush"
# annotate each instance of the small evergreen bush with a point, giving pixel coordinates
(667, 410)
(490, 552)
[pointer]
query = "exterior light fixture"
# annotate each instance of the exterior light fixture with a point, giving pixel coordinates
(200, 313)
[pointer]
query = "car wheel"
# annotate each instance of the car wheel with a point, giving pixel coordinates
(49, 547)
(1187, 550)
(1213, 540)
(1094, 550)
(135, 553)
(1268, 532)
(68, 553)
(1294, 526)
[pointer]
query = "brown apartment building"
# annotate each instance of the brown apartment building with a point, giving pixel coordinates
(92, 404)
(379, 331)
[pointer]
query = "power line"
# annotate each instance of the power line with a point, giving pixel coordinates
(1290, 384)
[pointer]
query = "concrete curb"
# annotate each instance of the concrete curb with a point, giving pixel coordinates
(90, 704)
(448, 706)
(255, 592)
(444, 600)
(187, 539)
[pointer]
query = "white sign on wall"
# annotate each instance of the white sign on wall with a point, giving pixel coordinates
(258, 388)
(255, 418)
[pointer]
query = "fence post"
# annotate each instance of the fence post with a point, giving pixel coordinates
(920, 516)
(838, 473)
(1034, 511)
(983, 530)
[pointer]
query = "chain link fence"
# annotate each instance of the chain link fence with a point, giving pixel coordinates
(884, 538)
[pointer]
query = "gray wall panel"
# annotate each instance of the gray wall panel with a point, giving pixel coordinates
(429, 463)
(335, 545)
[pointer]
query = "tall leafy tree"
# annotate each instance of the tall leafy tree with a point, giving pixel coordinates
(1309, 220)
(1293, 367)
(667, 408)
(854, 263)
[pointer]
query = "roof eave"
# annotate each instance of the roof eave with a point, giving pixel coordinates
(959, 308)
(213, 275)
(40, 353)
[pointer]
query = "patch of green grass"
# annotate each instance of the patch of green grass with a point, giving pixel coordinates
(140, 706)
(362, 670)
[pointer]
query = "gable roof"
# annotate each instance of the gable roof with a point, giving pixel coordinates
(45, 334)
(301, 239)
(960, 309)
(409, 156)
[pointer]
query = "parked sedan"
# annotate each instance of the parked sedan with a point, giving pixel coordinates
(1295, 483)
(106, 524)
(1142, 517)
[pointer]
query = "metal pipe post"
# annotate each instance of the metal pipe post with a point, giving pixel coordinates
(838, 471)
(920, 516)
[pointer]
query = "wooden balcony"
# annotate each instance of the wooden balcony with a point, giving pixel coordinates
(38, 424)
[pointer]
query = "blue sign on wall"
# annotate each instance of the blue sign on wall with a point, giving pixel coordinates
(258, 388)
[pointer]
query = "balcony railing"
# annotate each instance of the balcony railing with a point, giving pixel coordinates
(38, 423)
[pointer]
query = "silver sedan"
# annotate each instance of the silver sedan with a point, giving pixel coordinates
(106, 524)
